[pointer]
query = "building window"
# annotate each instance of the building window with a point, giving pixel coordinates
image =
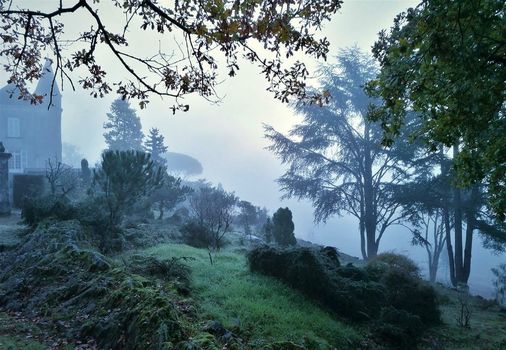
(16, 161)
(13, 127)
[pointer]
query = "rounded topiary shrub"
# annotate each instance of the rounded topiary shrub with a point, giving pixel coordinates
(283, 227)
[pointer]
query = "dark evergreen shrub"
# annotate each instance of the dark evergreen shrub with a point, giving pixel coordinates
(388, 294)
(397, 262)
(85, 172)
(92, 213)
(36, 209)
(412, 295)
(317, 273)
(196, 235)
(26, 186)
(123, 179)
(399, 328)
(353, 273)
(405, 290)
(283, 227)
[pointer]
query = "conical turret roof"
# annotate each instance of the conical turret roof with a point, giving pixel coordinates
(6, 92)
(43, 88)
(44, 85)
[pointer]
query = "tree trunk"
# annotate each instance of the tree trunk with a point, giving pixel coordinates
(362, 239)
(468, 249)
(433, 271)
(438, 246)
(447, 226)
(459, 261)
(370, 212)
(457, 205)
(470, 225)
(160, 209)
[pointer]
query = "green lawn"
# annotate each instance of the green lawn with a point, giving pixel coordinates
(260, 308)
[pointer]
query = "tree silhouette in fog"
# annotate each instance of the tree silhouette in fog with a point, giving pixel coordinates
(155, 145)
(335, 156)
(123, 128)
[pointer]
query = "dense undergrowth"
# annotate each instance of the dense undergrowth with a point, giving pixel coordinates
(57, 274)
(54, 280)
(149, 301)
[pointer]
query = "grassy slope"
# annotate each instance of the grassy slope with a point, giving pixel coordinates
(268, 310)
(261, 308)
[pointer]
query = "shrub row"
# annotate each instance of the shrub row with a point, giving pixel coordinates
(387, 293)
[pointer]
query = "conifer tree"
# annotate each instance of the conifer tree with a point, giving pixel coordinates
(283, 227)
(155, 145)
(334, 155)
(123, 128)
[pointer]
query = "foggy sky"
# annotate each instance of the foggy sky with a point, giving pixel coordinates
(228, 138)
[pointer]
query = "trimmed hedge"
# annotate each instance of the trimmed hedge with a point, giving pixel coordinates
(317, 272)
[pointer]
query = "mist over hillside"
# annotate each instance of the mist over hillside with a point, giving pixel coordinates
(252, 175)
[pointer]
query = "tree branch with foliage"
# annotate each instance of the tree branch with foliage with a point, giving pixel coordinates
(205, 34)
(445, 60)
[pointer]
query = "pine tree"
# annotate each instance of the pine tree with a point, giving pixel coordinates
(123, 128)
(155, 145)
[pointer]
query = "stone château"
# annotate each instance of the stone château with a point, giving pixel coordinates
(31, 133)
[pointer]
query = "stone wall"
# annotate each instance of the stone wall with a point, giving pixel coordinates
(5, 203)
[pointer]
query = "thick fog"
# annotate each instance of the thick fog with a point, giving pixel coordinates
(227, 139)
